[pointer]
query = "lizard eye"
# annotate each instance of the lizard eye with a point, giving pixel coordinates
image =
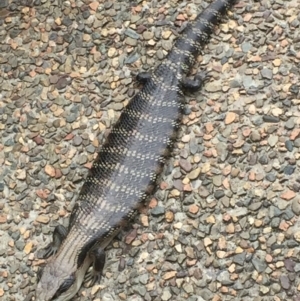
(64, 286)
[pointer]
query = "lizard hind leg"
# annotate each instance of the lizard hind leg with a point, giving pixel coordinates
(98, 261)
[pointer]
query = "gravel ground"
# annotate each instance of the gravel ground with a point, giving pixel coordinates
(223, 224)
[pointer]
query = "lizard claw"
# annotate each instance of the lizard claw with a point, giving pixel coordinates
(92, 277)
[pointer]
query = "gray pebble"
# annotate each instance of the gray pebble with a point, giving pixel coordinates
(77, 140)
(90, 148)
(3, 3)
(166, 295)
(132, 58)
(158, 211)
(140, 289)
(274, 211)
(148, 35)
(206, 294)
(259, 264)
(255, 136)
(13, 268)
(290, 124)
(289, 169)
(285, 282)
(289, 145)
(71, 117)
(185, 165)
(275, 287)
(131, 33)
(266, 73)
(288, 214)
(263, 159)
(297, 142)
(297, 267)
(271, 177)
(131, 42)
(296, 206)
(246, 46)
(235, 84)
(248, 82)
(289, 264)
(82, 159)
(219, 194)
(255, 206)
(239, 258)
(270, 119)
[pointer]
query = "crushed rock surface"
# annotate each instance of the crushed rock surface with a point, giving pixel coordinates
(224, 221)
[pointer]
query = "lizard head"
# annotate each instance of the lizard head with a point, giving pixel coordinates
(57, 283)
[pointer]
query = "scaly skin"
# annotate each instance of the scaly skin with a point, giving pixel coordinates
(125, 171)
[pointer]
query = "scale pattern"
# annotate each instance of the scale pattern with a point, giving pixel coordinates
(125, 171)
(133, 155)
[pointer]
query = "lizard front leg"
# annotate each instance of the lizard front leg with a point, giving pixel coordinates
(59, 234)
